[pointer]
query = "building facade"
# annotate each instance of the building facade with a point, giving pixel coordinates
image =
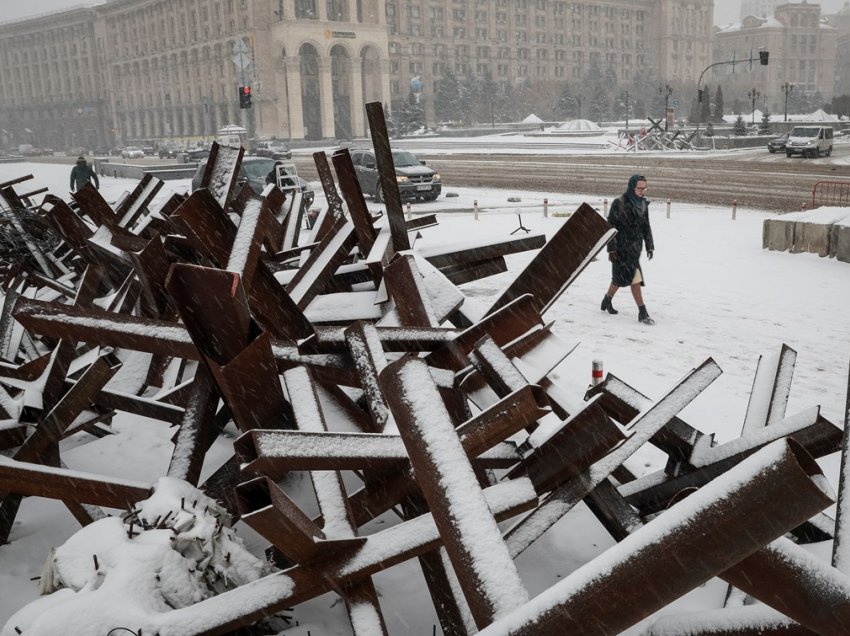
(802, 51)
(133, 70)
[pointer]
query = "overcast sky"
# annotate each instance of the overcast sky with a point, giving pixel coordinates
(725, 11)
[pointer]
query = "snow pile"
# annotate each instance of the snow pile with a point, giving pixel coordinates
(532, 119)
(174, 550)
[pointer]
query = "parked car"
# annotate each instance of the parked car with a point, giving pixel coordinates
(273, 150)
(149, 151)
(415, 179)
(168, 151)
(132, 152)
(777, 143)
(254, 170)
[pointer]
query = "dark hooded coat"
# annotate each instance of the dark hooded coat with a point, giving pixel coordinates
(629, 215)
(81, 174)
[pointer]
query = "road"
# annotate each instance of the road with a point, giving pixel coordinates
(752, 177)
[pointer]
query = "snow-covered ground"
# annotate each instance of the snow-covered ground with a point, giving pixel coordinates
(712, 290)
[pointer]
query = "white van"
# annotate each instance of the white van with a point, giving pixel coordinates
(809, 141)
(231, 135)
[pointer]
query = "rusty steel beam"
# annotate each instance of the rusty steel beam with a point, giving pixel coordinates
(739, 621)
(153, 336)
(786, 577)
(612, 511)
(319, 268)
(485, 570)
(771, 388)
(367, 354)
(219, 321)
(566, 496)
(353, 195)
(35, 480)
(494, 366)
(623, 403)
(151, 265)
(212, 233)
(269, 511)
(504, 326)
(808, 428)
(774, 490)
(220, 173)
(334, 339)
(581, 441)
(332, 197)
(467, 272)
(250, 386)
(407, 289)
(364, 609)
(841, 545)
(447, 255)
(277, 452)
(477, 435)
(386, 174)
(563, 258)
(52, 427)
(135, 203)
(257, 227)
(196, 433)
(94, 206)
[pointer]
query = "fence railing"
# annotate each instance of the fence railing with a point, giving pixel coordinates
(831, 193)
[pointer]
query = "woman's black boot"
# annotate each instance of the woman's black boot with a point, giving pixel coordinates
(643, 316)
(607, 306)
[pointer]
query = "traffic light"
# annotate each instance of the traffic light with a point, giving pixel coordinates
(763, 56)
(244, 97)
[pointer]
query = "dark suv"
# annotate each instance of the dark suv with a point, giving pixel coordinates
(254, 170)
(415, 179)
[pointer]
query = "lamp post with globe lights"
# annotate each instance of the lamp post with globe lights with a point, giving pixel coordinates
(787, 88)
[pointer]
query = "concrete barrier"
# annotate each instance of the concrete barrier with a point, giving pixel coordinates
(812, 238)
(777, 235)
(797, 236)
(842, 243)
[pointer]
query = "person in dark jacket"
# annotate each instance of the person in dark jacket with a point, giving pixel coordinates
(629, 215)
(81, 174)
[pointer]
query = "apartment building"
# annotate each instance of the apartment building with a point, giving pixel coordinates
(129, 70)
(802, 49)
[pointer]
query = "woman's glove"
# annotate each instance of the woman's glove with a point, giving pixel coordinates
(649, 254)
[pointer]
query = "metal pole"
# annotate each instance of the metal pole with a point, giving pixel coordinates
(545, 208)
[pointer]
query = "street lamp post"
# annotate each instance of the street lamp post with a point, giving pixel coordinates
(667, 92)
(787, 88)
(754, 95)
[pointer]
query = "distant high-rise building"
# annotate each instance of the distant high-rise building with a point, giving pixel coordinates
(760, 8)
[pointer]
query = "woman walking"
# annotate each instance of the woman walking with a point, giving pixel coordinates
(629, 215)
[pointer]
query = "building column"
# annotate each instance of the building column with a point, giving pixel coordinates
(321, 10)
(386, 95)
(358, 125)
(326, 97)
(291, 101)
(352, 10)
